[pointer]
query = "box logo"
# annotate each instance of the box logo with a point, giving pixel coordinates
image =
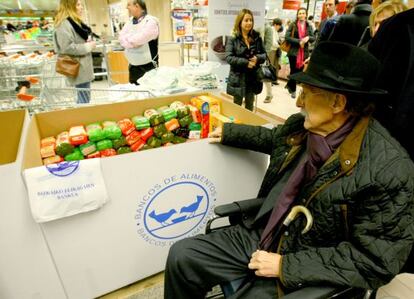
(63, 169)
(178, 207)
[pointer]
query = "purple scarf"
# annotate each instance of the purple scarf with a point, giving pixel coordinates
(318, 150)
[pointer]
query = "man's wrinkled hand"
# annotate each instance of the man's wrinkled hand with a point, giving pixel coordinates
(265, 263)
(215, 136)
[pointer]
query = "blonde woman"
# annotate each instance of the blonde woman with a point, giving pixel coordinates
(72, 37)
(384, 11)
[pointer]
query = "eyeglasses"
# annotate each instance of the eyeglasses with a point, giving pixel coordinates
(303, 94)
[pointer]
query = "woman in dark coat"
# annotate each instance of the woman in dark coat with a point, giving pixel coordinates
(244, 52)
(299, 35)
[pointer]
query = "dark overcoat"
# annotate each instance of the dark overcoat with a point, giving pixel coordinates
(294, 39)
(237, 55)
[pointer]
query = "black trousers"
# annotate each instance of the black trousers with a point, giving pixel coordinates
(291, 85)
(137, 71)
(248, 100)
(196, 264)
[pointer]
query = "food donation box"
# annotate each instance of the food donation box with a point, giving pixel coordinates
(26, 266)
(155, 196)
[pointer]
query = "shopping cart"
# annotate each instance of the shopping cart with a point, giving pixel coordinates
(20, 80)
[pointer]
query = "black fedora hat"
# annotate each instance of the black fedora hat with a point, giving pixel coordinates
(342, 68)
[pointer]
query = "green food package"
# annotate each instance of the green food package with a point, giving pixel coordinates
(112, 132)
(160, 130)
(103, 144)
(154, 142)
(88, 148)
(141, 122)
(185, 121)
(146, 147)
(156, 119)
(167, 137)
(123, 150)
(75, 156)
(169, 114)
(64, 149)
(178, 139)
(96, 134)
(117, 143)
(183, 111)
(195, 127)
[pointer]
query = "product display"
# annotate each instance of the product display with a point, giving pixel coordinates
(165, 126)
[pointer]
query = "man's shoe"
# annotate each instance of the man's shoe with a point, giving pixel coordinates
(268, 99)
(293, 95)
(275, 83)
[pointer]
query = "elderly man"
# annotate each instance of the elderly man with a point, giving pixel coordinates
(333, 158)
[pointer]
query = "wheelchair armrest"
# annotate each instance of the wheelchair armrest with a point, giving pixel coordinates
(233, 210)
(237, 207)
(323, 292)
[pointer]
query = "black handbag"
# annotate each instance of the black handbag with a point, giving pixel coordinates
(266, 72)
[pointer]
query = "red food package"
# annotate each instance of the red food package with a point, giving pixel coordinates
(137, 145)
(133, 137)
(146, 133)
(77, 135)
(172, 124)
(62, 138)
(127, 126)
(93, 155)
(108, 152)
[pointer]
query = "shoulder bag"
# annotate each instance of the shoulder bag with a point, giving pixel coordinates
(285, 45)
(67, 66)
(266, 72)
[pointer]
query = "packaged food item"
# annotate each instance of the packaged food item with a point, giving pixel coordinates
(93, 126)
(47, 151)
(183, 111)
(154, 142)
(109, 152)
(150, 112)
(160, 130)
(177, 104)
(185, 121)
(133, 137)
(95, 134)
(117, 143)
(112, 132)
(103, 145)
(77, 135)
(108, 123)
(137, 145)
(146, 147)
(217, 120)
(48, 141)
(167, 137)
(141, 122)
(88, 148)
(63, 146)
(178, 139)
(172, 124)
(168, 113)
(182, 132)
(195, 114)
(213, 103)
(52, 160)
(146, 133)
(75, 156)
(195, 131)
(123, 150)
(156, 119)
(93, 155)
(127, 126)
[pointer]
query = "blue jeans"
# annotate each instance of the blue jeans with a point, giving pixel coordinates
(84, 96)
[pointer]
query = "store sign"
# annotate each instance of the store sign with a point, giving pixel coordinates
(161, 221)
(291, 4)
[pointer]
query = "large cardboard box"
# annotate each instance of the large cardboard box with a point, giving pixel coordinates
(157, 197)
(26, 266)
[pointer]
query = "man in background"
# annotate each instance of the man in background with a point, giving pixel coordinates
(326, 26)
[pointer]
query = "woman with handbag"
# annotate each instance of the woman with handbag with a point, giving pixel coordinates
(73, 38)
(244, 52)
(299, 35)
